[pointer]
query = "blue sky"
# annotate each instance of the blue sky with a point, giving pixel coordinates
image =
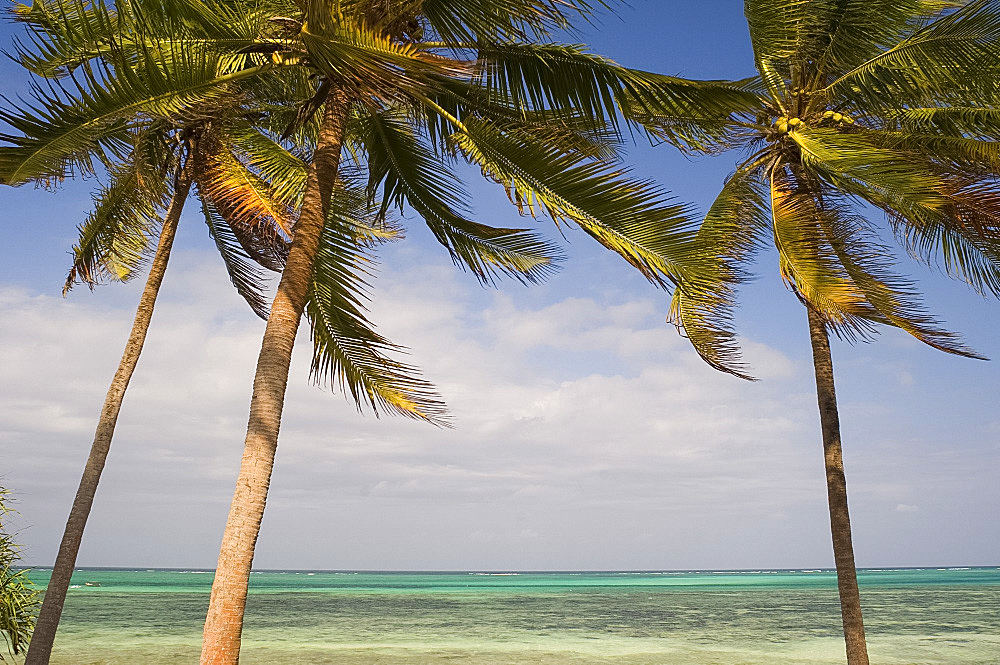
(588, 434)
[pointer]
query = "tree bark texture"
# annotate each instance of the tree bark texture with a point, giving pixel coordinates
(40, 647)
(224, 623)
(836, 489)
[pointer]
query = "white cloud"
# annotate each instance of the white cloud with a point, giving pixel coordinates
(587, 435)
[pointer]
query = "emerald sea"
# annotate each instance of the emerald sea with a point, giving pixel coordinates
(947, 616)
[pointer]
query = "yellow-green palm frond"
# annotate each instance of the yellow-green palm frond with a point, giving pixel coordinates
(366, 61)
(806, 43)
(279, 104)
(955, 53)
(964, 239)
(407, 171)
(61, 35)
(632, 217)
(854, 31)
(778, 32)
(244, 270)
(980, 122)
(551, 78)
(734, 228)
(480, 21)
(951, 150)
(868, 264)
(284, 172)
(807, 261)
(693, 116)
(453, 100)
(346, 348)
(860, 163)
(118, 232)
(61, 132)
(261, 221)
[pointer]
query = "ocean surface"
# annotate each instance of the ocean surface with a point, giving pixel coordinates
(768, 617)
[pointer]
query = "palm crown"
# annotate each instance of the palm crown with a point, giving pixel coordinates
(858, 106)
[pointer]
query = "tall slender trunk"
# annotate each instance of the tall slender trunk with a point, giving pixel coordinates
(40, 647)
(224, 623)
(836, 490)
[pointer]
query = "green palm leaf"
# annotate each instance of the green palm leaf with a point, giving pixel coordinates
(60, 133)
(478, 21)
(244, 272)
(346, 349)
(866, 262)
(631, 217)
(407, 171)
(116, 235)
(949, 55)
(733, 230)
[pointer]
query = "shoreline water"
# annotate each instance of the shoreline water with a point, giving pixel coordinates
(925, 616)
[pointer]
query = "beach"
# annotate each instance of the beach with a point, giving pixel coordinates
(782, 617)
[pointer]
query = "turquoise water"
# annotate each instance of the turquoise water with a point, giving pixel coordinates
(913, 616)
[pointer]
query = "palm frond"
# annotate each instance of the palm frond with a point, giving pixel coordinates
(860, 164)
(481, 21)
(284, 172)
(955, 53)
(693, 116)
(117, 234)
(807, 261)
(779, 31)
(631, 217)
(346, 349)
(367, 61)
(730, 235)
(978, 122)
(857, 30)
(555, 78)
(867, 263)
(259, 220)
(62, 35)
(244, 272)
(407, 171)
(60, 132)
(964, 239)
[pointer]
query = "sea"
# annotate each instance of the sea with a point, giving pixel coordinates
(914, 616)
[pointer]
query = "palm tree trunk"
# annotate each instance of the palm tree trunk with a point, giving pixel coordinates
(40, 647)
(836, 489)
(224, 623)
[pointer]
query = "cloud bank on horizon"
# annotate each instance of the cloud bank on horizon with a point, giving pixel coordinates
(588, 436)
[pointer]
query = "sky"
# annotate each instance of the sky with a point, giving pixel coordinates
(588, 435)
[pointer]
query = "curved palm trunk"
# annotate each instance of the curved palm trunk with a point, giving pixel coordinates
(40, 647)
(836, 489)
(224, 623)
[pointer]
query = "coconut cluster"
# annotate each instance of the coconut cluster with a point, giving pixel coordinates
(785, 124)
(838, 117)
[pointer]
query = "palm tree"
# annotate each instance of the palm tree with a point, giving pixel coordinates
(859, 105)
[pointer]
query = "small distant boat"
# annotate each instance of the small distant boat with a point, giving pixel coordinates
(91, 584)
